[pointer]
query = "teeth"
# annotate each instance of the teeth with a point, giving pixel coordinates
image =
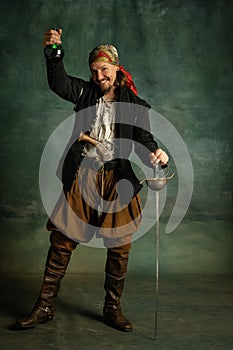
(103, 81)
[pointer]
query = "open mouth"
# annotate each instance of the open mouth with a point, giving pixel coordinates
(103, 82)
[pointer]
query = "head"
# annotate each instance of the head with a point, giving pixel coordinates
(104, 66)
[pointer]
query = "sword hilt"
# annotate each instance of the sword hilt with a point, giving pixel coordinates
(156, 171)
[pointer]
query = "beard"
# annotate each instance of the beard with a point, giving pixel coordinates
(107, 90)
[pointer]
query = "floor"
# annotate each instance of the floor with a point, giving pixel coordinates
(195, 308)
(195, 312)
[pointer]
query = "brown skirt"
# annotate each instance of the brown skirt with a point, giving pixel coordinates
(93, 207)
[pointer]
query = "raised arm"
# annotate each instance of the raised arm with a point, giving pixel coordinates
(64, 85)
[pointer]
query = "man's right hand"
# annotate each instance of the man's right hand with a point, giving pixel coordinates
(52, 37)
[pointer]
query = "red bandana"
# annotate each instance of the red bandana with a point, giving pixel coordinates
(129, 83)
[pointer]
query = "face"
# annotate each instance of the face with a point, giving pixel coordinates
(104, 75)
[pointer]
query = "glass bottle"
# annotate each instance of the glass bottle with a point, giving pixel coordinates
(54, 51)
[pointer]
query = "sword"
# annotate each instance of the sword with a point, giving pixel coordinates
(156, 184)
(156, 175)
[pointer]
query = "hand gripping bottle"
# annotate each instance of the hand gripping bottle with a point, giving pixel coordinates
(54, 51)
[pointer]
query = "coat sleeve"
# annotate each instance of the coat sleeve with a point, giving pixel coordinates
(67, 87)
(145, 142)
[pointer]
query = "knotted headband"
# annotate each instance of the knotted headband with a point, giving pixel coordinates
(108, 53)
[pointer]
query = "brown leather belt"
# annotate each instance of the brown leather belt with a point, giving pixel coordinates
(98, 165)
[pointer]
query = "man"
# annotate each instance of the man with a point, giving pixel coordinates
(109, 84)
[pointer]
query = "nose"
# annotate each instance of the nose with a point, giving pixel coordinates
(100, 75)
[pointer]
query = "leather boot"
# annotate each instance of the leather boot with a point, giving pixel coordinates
(57, 261)
(116, 270)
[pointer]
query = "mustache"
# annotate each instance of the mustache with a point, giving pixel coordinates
(99, 80)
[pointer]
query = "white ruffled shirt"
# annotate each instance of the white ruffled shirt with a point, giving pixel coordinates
(103, 128)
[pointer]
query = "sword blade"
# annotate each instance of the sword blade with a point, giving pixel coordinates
(156, 263)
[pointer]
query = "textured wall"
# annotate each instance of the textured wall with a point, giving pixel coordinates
(180, 54)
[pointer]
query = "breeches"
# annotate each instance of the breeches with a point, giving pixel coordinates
(94, 207)
(62, 242)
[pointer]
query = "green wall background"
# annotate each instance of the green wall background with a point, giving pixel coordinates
(180, 55)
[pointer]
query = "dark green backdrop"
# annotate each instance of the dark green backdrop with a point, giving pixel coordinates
(180, 54)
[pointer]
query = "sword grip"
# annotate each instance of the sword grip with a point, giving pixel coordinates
(156, 171)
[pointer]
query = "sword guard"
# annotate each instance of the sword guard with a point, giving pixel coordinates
(157, 183)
